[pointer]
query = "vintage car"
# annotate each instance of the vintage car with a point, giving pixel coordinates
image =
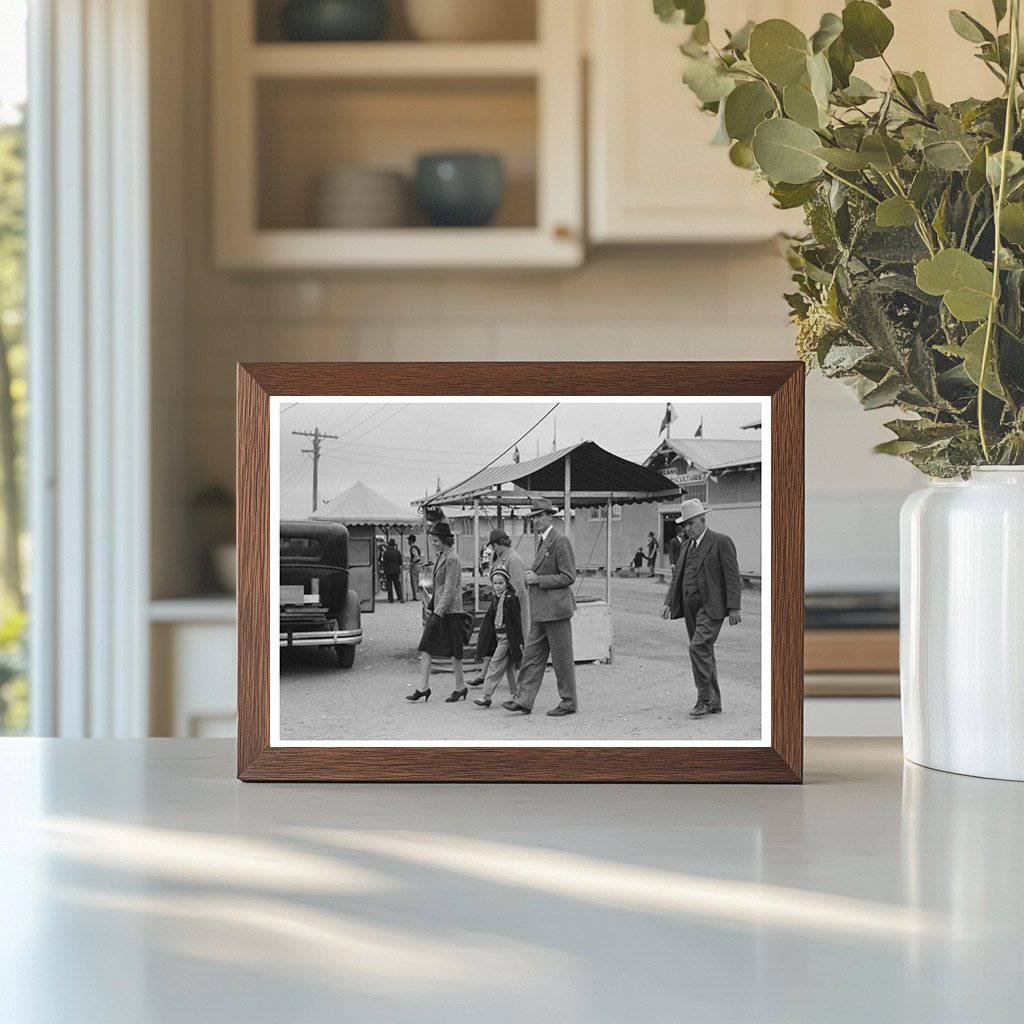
(318, 608)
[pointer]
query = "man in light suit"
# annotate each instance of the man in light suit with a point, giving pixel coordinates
(549, 585)
(705, 589)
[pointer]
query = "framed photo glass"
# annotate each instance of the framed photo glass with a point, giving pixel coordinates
(520, 571)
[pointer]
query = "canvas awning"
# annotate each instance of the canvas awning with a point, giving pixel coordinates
(595, 476)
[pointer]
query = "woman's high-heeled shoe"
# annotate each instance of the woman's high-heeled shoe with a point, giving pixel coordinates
(483, 702)
(456, 696)
(416, 694)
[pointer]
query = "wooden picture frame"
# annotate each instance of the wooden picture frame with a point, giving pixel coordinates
(781, 760)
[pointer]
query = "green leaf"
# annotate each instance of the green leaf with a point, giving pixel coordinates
(707, 78)
(976, 173)
(895, 447)
(922, 185)
(947, 156)
(786, 151)
(844, 159)
(963, 281)
(779, 51)
(829, 29)
(883, 152)
(971, 352)
(819, 74)
(840, 62)
(801, 106)
(739, 41)
(788, 196)
(857, 91)
(924, 88)
(969, 28)
(993, 167)
(741, 155)
(866, 29)
(884, 394)
(999, 9)
(895, 212)
(923, 431)
(690, 12)
(1011, 226)
(745, 108)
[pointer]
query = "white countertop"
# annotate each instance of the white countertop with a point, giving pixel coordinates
(140, 882)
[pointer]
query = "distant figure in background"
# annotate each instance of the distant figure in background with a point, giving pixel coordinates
(392, 559)
(552, 604)
(638, 561)
(652, 552)
(705, 588)
(675, 548)
(415, 561)
(443, 635)
(500, 640)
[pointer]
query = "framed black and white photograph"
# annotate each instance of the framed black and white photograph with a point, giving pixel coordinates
(582, 581)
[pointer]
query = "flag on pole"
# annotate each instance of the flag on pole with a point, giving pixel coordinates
(699, 432)
(438, 485)
(515, 454)
(666, 422)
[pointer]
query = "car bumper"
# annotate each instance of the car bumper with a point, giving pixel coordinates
(322, 638)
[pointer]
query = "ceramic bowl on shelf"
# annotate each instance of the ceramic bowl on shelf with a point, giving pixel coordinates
(470, 20)
(460, 189)
(334, 21)
(362, 197)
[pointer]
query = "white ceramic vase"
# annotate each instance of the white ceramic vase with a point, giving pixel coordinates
(962, 624)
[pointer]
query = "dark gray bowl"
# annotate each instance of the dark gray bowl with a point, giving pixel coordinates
(334, 21)
(460, 189)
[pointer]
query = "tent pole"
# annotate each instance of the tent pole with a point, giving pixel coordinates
(476, 554)
(608, 552)
(566, 499)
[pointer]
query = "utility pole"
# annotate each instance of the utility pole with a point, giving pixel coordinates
(317, 439)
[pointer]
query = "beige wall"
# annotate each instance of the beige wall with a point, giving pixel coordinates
(654, 303)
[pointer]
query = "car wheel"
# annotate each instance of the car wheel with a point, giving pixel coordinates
(346, 654)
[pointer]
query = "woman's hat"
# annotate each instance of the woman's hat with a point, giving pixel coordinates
(499, 571)
(442, 530)
(690, 509)
(500, 537)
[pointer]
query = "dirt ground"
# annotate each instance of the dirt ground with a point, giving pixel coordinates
(644, 694)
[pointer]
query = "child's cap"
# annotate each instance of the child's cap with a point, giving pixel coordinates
(503, 573)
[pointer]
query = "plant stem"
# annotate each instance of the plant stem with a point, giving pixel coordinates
(853, 185)
(1011, 107)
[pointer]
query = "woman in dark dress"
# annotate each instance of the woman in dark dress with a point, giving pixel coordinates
(442, 634)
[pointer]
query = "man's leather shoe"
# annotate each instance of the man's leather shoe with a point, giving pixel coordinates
(700, 709)
(560, 711)
(520, 709)
(508, 705)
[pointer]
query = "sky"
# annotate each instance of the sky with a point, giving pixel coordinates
(12, 57)
(401, 448)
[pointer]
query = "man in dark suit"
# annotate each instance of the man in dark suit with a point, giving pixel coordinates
(549, 584)
(392, 559)
(705, 589)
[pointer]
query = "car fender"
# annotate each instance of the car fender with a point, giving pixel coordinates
(351, 617)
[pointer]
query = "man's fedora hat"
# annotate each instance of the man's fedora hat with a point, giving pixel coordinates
(690, 509)
(539, 505)
(442, 530)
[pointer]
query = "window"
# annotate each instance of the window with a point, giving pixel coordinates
(597, 514)
(306, 548)
(14, 692)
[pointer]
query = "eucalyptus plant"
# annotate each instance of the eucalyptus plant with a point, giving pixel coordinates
(910, 277)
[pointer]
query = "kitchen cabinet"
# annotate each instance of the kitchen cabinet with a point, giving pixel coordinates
(286, 115)
(653, 175)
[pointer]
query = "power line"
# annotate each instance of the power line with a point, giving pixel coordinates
(380, 423)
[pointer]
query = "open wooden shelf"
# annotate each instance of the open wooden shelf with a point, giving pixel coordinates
(285, 114)
(392, 60)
